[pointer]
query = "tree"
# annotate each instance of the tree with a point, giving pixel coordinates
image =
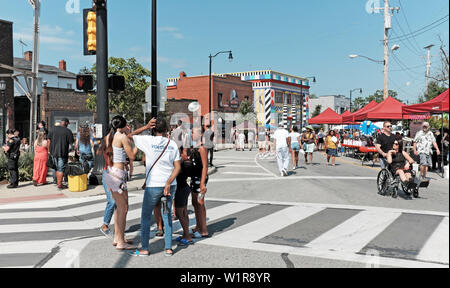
(313, 96)
(317, 111)
(379, 96)
(434, 90)
(358, 103)
(442, 76)
(246, 107)
(129, 102)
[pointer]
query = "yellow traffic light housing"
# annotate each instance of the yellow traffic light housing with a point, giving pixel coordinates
(90, 32)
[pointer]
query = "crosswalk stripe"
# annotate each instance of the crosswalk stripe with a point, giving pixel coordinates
(258, 229)
(247, 173)
(25, 247)
(436, 249)
(88, 208)
(50, 203)
(355, 233)
(237, 166)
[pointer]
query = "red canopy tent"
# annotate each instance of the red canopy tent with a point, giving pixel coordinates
(327, 117)
(389, 109)
(437, 106)
(350, 119)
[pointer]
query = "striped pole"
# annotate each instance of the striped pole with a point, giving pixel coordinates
(285, 116)
(267, 106)
(294, 115)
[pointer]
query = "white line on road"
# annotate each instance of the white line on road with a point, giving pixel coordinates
(437, 246)
(258, 229)
(292, 178)
(355, 233)
(247, 173)
(260, 166)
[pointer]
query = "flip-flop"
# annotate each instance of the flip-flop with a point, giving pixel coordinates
(168, 254)
(197, 235)
(127, 247)
(159, 233)
(138, 254)
(127, 241)
(184, 242)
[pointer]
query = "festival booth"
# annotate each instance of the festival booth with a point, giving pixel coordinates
(438, 105)
(327, 117)
(350, 119)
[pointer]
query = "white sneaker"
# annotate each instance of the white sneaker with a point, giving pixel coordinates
(285, 173)
(282, 174)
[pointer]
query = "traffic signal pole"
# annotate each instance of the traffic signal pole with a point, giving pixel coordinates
(154, 63)
(102, 66)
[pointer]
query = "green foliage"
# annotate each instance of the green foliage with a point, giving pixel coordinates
(129, 102)
(317, 111)
(26, 162)
(378, 97)
(246, 107)
(434, 90)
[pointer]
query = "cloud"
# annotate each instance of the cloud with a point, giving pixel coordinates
(54, 35)
(173, 31)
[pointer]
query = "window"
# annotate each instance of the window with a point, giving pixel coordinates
(220, 98)
(288, 99)
(69, 86)
(278, 98)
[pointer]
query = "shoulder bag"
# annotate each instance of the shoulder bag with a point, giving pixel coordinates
(148, 174)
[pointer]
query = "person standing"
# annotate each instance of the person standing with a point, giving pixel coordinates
(118, 148)
(251, 139)
(331, 144)
(423, 143)
(241, 139)
(295, 146)
(262, 140)
(12, 151)
(321, 137)
(178, 134)
(282, 146)
(384, 143)
(309, 143)
(162, 168)
(84, 146)
(59, 140)
(209, 143)
(40, 168)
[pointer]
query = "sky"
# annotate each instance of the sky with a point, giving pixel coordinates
(297, 37)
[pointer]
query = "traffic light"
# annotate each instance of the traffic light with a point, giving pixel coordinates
(116, 82)
(85, 82)
(90, 32)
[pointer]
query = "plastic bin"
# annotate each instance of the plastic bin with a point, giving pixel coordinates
(78, 183)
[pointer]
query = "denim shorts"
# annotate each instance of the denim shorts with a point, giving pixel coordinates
(295, 146)
(61, 164)
(332, 152)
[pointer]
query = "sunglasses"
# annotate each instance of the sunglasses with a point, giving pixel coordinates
(396, 143)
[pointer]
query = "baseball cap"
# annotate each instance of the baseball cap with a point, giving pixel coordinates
(426, 124)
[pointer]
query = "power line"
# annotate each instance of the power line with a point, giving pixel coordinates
(413, 48)
(423, 29)
(407, 24)
(402, 65)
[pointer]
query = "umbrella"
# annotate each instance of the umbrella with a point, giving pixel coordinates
(367, 128)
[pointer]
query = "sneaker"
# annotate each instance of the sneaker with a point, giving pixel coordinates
(285, 173)
(106, 232)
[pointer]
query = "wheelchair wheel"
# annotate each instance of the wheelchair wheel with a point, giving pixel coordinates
(383, 182)
(416, 193)
(407, 190)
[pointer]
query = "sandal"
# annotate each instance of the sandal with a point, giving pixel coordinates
(126, 247)
(127, 241)
(184, 242)
(159, 233)
(138, 254)
(197, 235)
(167, 254)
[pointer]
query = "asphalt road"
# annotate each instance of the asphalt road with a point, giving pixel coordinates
(319, 216)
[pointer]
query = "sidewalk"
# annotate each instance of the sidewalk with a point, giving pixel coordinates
(27, 192)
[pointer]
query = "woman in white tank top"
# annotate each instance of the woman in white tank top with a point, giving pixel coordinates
(118, 147)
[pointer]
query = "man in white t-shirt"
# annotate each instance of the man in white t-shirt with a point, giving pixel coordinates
(241, 139)
(282, 144)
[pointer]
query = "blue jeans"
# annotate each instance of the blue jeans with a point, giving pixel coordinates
(110, 205)
(152, 196)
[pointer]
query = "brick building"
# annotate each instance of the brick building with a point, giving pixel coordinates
(6, 57)
(227, 93)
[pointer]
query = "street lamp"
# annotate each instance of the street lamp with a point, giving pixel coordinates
(386, 67)
(230, 58)
(351, 91)
(3, 89)
(302, 99)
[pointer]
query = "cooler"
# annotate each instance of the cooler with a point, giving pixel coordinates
(78, 183)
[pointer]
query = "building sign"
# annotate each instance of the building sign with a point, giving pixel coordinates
(234, 100)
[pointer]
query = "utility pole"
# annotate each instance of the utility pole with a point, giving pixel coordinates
(427, 75)
(387, 26)
(154, 63)
(35, 68)
(102, 65)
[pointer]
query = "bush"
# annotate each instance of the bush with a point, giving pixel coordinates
(26, 162)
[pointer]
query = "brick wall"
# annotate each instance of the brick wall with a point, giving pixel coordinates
(6, 57)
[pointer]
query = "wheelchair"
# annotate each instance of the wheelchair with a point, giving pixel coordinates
(389, 184)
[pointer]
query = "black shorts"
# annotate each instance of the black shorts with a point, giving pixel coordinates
(195, 184)
(181, 196)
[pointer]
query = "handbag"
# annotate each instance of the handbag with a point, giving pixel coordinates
(51, 163)
(148, 174)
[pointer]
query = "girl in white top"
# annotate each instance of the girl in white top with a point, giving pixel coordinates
(118, 147)
(295, 146)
